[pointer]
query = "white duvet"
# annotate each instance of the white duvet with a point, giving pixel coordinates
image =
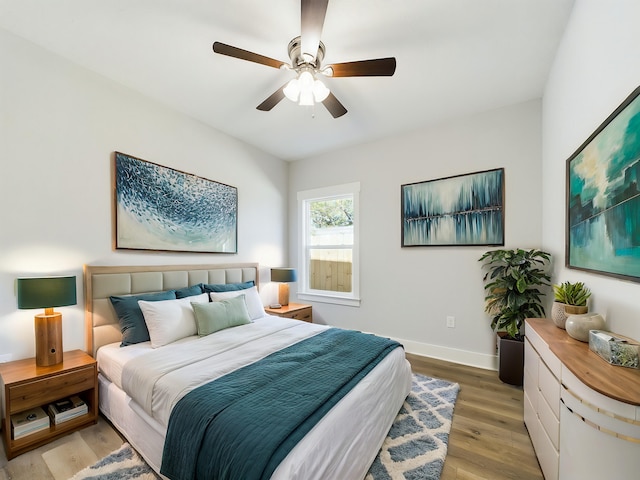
(344, 443)
(161, 377)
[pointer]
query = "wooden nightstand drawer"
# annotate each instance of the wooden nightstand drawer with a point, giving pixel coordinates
(46, 390)
(295, 311)
(303, 314)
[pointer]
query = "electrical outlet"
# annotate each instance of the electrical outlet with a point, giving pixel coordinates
(451, 322)
(6, 358)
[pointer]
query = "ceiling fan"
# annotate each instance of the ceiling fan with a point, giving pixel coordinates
(306, 53)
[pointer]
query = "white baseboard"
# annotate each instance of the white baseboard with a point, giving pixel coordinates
(454, 355)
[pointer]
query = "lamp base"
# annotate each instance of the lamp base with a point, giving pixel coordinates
(48, 329)
(283, 294)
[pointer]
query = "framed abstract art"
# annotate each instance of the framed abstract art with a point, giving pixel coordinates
(459, 210)
(159, 208)
(603, 197)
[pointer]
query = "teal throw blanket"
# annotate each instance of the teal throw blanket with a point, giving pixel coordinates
(242, 425)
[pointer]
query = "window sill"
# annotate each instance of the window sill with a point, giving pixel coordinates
(314, 297)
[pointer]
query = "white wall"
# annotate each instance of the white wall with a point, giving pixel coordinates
(595, 69)
(59, 125)
(408, 292)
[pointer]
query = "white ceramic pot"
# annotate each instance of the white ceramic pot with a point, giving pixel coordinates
(560, 312)
(578, 326)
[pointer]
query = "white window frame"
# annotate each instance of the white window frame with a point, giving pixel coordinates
(304, 291)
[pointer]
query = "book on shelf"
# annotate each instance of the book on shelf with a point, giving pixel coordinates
(67, 409)
(29, 421)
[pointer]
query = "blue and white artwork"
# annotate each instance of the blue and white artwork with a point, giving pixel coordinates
(461, 210)
(158, 208)
(603, 197)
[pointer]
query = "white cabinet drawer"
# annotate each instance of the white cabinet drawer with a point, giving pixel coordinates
(548, 457)
(530, 416)
(532, 337)
(531, 389)
(531, 359)
(550, 388)
(543, 350)
(550, 423)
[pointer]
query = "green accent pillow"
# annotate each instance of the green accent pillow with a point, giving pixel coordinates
(214, 316)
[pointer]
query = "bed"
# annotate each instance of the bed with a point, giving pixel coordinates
(341, 445)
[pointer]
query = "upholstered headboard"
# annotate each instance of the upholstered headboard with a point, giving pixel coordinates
(100, 282)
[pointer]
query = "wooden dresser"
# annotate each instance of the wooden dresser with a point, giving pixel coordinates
(582, 414)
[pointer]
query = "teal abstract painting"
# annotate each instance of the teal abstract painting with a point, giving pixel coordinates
(460, 210)
(159, 208)
(603, 198)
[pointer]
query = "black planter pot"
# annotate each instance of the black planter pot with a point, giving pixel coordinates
(510, 359)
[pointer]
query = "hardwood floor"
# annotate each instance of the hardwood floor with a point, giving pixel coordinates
(488, 439)
(64, 457)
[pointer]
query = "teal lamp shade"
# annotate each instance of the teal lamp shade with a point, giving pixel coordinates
(46, 292)
(284, 276)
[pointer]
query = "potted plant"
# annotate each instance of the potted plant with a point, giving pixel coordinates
(570, 299)
(512, 283)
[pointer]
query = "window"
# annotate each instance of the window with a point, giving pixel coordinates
(329, 245)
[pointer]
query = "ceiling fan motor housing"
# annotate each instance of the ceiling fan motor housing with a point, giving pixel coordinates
(298, 59)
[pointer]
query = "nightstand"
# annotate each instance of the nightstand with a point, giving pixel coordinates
(26, 386)
(296, 311)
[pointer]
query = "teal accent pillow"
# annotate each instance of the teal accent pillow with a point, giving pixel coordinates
(226, 287)
(132, 325)
(214, 316)
(190, 291)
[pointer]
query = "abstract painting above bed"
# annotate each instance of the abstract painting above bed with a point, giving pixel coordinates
(159, 208)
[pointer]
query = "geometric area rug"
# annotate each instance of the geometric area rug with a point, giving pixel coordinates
(123, 464)
(415, 447)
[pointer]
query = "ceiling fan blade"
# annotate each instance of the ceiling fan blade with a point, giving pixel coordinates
(336, 109)
(224, 49)
(272, 100)
(379, 67)
(312, 20)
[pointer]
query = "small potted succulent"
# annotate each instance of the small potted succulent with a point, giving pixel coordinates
(570, 299)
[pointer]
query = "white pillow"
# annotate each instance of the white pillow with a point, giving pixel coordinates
(170, 320)
(251, 297)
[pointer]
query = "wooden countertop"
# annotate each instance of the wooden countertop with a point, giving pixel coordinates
(619, 383)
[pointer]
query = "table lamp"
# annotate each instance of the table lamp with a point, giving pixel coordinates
(284, 276)
(47, 293)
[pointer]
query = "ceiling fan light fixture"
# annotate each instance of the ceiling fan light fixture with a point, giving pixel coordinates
(292, 90)
(320, 91)
(306, 80)
(306, 89)
(306, 98)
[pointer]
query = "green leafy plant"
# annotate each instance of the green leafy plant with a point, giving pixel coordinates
(512, 285)
(571, 293)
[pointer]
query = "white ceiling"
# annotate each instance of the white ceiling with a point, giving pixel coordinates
(454, 57)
